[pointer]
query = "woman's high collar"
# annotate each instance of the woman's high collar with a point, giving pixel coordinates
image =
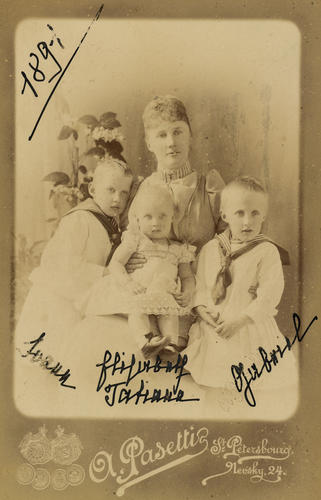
(172, 175)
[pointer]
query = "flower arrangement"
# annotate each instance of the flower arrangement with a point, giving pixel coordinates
(106, 135)
(102, 138)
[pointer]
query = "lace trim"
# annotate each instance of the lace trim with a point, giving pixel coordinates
(171, 175)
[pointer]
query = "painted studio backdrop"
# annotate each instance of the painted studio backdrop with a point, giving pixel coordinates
(239, 81)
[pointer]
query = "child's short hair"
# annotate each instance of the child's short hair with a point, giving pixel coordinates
(107, 163)
(150, 193)
(167, 108)
(243, 182)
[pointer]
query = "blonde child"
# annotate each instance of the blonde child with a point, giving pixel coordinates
(76, 256)
(162, 289)
(239, 285)
(168, 137)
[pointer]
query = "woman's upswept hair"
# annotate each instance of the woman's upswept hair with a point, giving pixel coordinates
(167, 108)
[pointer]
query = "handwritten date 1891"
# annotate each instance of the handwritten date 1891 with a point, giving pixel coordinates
(38, 75)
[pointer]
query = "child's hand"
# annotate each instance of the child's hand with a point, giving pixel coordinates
(135, 287)
(206, 316)
(226, 329)
(183, 298)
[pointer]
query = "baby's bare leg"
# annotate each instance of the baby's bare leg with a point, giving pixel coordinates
(185, 323)
(139, 325)
(154, 325)
(168, 326)
(149, 344)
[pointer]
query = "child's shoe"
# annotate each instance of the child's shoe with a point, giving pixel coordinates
(173, 348)
(154, 345)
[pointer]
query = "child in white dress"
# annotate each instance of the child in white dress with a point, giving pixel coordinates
(76, 256)
(239, 284)
(162, 289)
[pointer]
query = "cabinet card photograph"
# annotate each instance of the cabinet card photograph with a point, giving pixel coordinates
(162, 267)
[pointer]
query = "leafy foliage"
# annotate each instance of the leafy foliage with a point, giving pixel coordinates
(89, 120)
(96, 151)
(105, 137)
(109, 121)
(66, 132)
(57, 178)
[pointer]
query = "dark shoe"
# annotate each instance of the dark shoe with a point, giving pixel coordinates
(171, 349)
(170, 353)
(182, 342)
(175, 348)
(154, 345)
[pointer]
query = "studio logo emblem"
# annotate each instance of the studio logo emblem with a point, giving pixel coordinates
(37, 449)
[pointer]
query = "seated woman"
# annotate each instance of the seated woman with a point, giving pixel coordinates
(196, 197)
(168, 136)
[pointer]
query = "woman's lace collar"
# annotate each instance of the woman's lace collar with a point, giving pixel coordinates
(171, 175)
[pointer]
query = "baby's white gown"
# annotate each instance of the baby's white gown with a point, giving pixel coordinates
(159, 276)
(72, 262)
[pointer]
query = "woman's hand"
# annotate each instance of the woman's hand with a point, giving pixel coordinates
(226, 329)
(206, 316)
(136, 261)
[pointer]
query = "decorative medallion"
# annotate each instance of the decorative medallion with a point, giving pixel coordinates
(25, 474)
(41, 480)
(36, 448)
(59, 480)
(66, 448)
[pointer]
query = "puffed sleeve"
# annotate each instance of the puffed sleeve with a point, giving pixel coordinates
(270, 285)
(207, 269)
(130, 239)
(65, 266)
(186, 253)
(214, 185)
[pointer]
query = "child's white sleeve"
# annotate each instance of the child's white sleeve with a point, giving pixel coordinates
(270, 285)
(67, 265)
(207, 270)
(130, 239)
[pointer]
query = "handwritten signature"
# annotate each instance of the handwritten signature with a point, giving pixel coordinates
(243, 381)
(118, 392)
(44, 361)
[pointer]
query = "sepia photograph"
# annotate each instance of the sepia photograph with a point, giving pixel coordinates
(162, 285)
(124, 213)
